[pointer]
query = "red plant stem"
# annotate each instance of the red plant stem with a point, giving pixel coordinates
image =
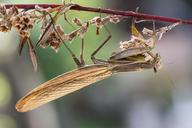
(107, 11)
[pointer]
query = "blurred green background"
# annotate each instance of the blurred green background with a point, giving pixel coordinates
(127, 100)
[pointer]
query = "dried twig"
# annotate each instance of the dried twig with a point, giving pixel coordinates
(107, 11)
(53, 34)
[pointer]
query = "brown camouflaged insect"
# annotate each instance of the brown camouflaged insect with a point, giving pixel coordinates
(133, 58)
(74, 80)
(82, 77)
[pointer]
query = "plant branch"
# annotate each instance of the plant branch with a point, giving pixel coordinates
(107, 11)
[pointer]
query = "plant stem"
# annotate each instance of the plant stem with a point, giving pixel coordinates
(107, 11)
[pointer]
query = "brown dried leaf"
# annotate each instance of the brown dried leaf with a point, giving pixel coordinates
(21, 44)
(2, 10)
(59, 30)
(48, 30)
(12, 12)
(32, 54)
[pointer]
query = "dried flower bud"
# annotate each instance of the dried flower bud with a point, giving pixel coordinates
(23, 22)
(147, 32)
(13, 11)
(100, 22)
(3, 11)
(115, 19)
(125, 45)
(59, 29)
(54, 39)
(42, 10)
(5, 17)
(77, 21)
(5, 26)
(97, 21)
(81, 32)
(133, 43)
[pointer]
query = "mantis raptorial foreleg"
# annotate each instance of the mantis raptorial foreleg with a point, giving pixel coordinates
(95, 61)
(51, 28)
(154, 63)
(129, 52)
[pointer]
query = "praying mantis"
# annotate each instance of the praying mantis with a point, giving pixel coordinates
(136, 55)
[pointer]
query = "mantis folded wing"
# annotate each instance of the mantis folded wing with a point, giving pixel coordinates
(63, 85)
(74, 80)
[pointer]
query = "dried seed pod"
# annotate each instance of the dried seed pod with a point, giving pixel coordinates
(5, 26)
(125, 45)
(59, 30)
(134, 42)
(3, 11)
(100, 22)
(147, 32)
(54, 39)
(115, 19)
(42, 10)
(77, 21)
(97, 21)
(5, 17)
(13, 11)
(49, 28)
(81, 32)
(23, 22)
